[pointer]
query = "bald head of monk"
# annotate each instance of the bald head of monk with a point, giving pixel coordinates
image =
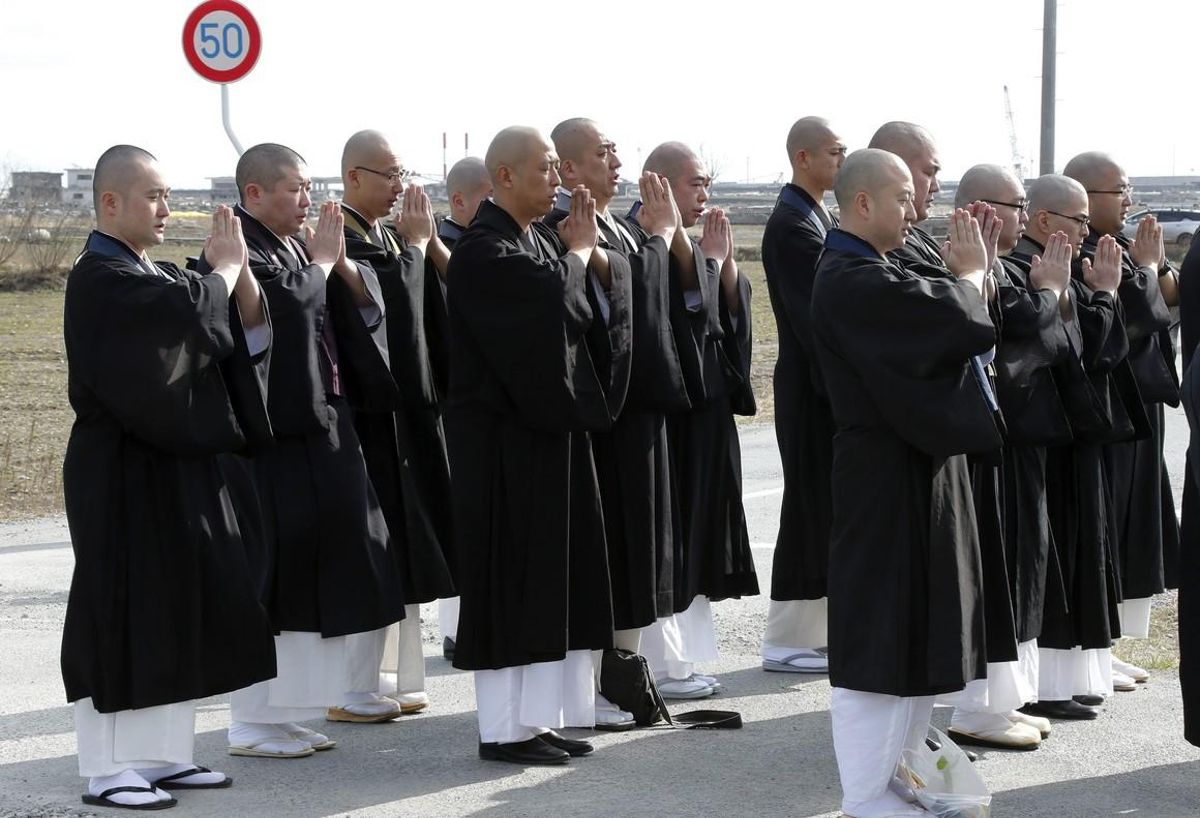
(686, 173)
(274, 184)
(524, 171)
(875, 196)
(1109, 193)
(130, 197)
(999, 187)
(1057, 203)
(371, 174)
(815, 153)
(916, 147)
(588, 158)
(467, 185)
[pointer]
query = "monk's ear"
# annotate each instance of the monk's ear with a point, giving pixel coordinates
(862, 204)
(456, 199)
(801, 159)
(504, 176)
(253, 192)
(566, 172)
(353, 178)
(110, 202)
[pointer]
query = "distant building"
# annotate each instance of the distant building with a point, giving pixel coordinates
(35, 187)
(79, 188)
(224, 190)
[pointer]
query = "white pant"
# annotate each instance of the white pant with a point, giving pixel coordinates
(394, 651)
(794, 625)
(674, 644)
(448, 617)
(1066, 673)
(870, 732)
(133, 739)
(311, 678)
(517, 703)
(1008, 685)
(1135, 618)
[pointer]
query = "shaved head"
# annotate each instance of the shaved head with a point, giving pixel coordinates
(364, 148)
(1092, 169)
(511, 146)
(265, 165)
(866, 171)
(116, 169)
(809, 133)
(985, 182)
(468, 175)
(905, 139)
(670, 159)
(572, 137)
(1055, 192)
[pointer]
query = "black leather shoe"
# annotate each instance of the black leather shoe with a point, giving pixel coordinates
(530, 751)
(1089, 699)
(448, 648)
(1067, 709)
(567, 745)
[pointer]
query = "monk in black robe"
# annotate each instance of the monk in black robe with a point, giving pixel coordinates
(896, 352)
(795, 635)
(467, 185)
(165, 370)
(632, 462)
(1146, 538)
(526, 388)
(711, 324)
(327, 572)
(1028, 309)
(405, 450)
(1075, 626)
(1189, 569)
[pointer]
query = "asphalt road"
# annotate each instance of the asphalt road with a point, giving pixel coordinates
(1131, 761)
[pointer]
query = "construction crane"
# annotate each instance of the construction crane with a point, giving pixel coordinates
(1017, 163)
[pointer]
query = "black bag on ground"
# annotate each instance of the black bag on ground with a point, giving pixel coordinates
(626, 681)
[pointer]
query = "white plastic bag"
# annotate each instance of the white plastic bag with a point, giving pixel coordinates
(945, 781)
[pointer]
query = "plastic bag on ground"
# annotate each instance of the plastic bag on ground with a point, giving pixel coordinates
(945, 781)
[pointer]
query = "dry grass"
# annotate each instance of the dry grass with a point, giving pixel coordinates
(1161, 650)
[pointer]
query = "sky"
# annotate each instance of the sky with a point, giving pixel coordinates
(728, 78)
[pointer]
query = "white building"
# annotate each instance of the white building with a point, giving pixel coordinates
(79, 188)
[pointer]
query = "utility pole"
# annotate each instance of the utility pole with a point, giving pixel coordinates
(1049, 58)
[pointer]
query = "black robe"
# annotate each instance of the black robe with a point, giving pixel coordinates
(437, 316)
(905, 610)
(1189, 569)
(791, 244)
(525, 390)
(920, 255)
(1034, 340)
(162, 607)
(712, 555)
(641, 512)
(1143, 506)
(326, 567)
(405, 450)
(1080, 609)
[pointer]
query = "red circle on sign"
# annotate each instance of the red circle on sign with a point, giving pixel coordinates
(252, 47)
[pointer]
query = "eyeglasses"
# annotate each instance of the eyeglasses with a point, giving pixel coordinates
(1021, 205)
(1125, 190)
(1082, 221)
(393, 176)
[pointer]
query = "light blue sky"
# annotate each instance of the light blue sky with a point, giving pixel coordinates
(729, 76)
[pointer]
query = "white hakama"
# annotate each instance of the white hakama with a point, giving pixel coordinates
(1075, 672)
(795, 625)
(311, 677)
(518, 703)
(150, 737)
(673, 645)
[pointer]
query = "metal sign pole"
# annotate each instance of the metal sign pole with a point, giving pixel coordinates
(237, 146)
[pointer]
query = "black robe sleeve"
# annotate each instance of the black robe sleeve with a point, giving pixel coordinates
(907, 338)
(529, 320)
(362, 347)
(737, 343)
(164, 371)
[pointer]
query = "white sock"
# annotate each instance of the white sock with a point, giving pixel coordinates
(270, 738)
(125, 778)
(155, 774)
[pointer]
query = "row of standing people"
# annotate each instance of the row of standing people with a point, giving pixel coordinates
(258, 479)
(976, 504)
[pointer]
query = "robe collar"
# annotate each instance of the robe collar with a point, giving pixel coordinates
(108, 245)
(798, 199)
(450, 229)
(844, 242)
(284, 249)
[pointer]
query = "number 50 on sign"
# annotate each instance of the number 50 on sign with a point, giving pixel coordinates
(221, 40)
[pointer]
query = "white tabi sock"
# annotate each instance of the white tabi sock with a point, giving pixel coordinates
(126, 778)
(156, 774)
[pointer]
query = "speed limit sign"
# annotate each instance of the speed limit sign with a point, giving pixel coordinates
(221, 40)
